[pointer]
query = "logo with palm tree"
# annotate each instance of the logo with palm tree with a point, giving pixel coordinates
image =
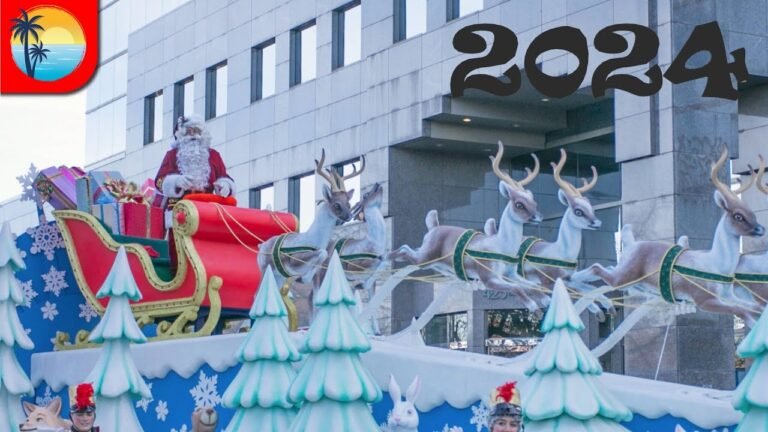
(47, 43)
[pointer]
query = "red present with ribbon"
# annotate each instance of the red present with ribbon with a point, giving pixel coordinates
(56, 185)
(141, 220)
(135, 218)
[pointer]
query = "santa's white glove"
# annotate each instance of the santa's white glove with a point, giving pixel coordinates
(223, 187)
(173, 186)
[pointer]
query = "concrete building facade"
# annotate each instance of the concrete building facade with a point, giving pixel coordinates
(387, 96)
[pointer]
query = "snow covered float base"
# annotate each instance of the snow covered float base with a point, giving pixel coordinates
(186, 374)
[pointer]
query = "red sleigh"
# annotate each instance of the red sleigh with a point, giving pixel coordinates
(216, 250)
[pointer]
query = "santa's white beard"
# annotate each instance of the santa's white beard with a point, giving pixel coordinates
(192, 160)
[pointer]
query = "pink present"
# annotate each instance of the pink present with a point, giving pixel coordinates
(56, 185)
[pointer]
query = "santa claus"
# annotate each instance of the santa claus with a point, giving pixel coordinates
(192, 166)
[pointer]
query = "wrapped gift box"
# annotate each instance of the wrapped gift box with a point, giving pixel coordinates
(56, 185)
(109, 214)
(83, 193)
(131, 219)
(98, 180)
(141, 220)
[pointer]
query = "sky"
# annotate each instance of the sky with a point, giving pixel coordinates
(44, 130)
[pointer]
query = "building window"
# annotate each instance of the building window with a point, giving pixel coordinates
(347, 28)
(447, 331)
(216, 90)
(183, 98)
(511, 332)
(348, 168)
(153, 117)
(303, 65)
(410, 18)
(460, 8)
(262, 198)
(263, 70)
(301, 199)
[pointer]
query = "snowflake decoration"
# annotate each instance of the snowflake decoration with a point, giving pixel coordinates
(46, 399)
(54, 281)
(49, 311)
(87, 312)
(205, 393)
(480, 415)
(144, 402)
(28, 331)
(29, 293)
(161, 410)
(447, 428)
(183, 428)
(27, 182)
(46, 238)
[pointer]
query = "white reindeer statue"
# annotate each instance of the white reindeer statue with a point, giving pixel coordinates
(361, 257)
(300, 255)
(468, 255)
(543, 262)
(702, 277)
(752, 270)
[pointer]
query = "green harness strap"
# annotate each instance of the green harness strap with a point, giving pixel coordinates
(669, 267)
(751, 277)
(458, 253)
(278, 251)
(352, 257)
(524, 256)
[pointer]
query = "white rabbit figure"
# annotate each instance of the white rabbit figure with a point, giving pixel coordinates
(403, 417)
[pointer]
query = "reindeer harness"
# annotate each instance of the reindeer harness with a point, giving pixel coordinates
(462, 249)
(352, 257)
(669, 268)
(278, 251)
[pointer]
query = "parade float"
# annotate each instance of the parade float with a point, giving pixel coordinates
(87, 292)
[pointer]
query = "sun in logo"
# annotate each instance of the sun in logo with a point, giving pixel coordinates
(47, 43)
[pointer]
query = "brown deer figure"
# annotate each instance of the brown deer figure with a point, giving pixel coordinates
(702, 277)
(468, 255)
(299, 255)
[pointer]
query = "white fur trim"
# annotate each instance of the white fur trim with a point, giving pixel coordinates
(171, 187)
(229, 182)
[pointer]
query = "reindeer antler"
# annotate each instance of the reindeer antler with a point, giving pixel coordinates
(332, 180)
(566, 186)
(332, 177)
(519, 185)
(727, 190)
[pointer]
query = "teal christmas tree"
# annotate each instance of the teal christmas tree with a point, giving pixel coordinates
(563, 390)
(14, 382)
(751, 397)
(116, 381)
(333, 385)
(259, 392)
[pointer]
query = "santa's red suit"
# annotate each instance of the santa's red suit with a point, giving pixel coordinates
(191, 166)
(170, 166)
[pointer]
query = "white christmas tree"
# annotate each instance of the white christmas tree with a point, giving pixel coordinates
(751, 397)
(563, 389)
(260, 389)
(116, 381)
(333, 385)
(14, 382)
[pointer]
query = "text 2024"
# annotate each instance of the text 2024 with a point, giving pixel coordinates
(704, 38)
